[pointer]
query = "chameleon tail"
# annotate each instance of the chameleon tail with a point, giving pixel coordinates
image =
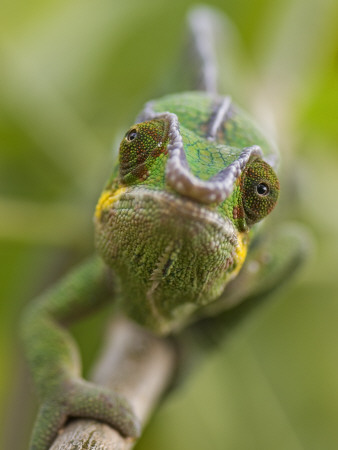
(201, 23)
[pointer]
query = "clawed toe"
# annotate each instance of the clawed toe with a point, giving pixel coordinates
(95, 402)
(83, 399)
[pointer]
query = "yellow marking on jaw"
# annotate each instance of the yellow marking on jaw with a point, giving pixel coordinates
(107, 199)
(240, 252)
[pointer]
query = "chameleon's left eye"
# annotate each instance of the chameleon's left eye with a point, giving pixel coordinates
(260, 190)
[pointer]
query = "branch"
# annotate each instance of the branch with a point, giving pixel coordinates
(136, 364)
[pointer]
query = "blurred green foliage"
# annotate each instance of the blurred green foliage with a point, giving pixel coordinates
(73, 76)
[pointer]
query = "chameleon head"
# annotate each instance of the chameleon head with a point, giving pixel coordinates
(174, 220)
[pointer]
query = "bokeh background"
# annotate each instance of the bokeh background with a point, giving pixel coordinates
(73, 75)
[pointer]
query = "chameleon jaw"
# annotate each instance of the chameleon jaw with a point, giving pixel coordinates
(107, 200)
(169, 252)
(171, 204)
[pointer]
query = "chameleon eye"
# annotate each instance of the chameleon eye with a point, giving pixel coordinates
(131, 135)
(260, 190)
(139, 149)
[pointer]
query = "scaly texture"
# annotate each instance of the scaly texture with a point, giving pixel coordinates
(172, 253)
(171, 238)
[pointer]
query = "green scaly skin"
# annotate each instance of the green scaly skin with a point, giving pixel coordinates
(196, 250)
(172, 256)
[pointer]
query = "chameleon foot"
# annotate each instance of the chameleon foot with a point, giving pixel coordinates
(83, 399)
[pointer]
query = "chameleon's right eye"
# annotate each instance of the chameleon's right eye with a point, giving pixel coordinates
(142, 144)
(131, 135)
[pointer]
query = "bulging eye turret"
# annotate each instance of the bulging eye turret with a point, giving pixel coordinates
(260, 190)
(141, 145)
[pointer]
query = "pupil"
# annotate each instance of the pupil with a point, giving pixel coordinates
(262, 189)
(131, 135)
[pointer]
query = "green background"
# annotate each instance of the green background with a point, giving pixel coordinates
(73, 75)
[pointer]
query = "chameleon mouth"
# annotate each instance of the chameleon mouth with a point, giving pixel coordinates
(181, 208)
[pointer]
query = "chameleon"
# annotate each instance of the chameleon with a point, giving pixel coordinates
(178, 243)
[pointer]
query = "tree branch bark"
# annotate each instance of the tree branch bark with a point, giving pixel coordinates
(136, 364)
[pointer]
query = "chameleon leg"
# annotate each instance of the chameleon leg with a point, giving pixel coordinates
(82, 399)
(55, 362)
(50, 418)
(274, 257)
(90, 400)
(272, 261)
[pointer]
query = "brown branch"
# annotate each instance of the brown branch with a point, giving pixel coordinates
(134, 363)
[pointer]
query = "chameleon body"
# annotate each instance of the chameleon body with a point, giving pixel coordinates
(173, 230)
(170, 253)
(198, 248)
